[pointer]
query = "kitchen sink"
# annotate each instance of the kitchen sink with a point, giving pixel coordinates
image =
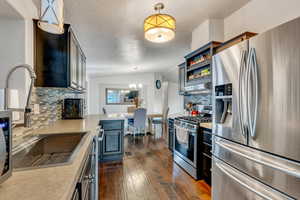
(47, 151)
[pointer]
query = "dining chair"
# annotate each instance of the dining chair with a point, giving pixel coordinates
(162, 121)
(139, 122)
(131, 109)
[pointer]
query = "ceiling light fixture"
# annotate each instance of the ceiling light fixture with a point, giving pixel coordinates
(52, 16)
(159, 27)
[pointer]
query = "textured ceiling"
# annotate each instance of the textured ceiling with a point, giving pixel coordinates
(111, 31)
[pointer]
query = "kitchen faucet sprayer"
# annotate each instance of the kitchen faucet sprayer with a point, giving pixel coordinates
(27, 109)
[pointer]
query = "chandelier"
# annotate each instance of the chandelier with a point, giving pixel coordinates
(159, 27)
(51, 16)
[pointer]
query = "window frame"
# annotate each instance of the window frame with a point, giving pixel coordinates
(127, 103)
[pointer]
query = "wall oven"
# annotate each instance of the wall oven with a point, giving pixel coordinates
(186, 147)
(5, 146)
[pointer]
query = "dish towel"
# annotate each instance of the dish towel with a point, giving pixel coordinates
(182, 136)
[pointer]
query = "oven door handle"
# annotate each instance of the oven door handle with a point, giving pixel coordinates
(182, 128)
(193, 133)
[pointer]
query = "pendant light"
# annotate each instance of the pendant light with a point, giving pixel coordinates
(159, 27)
(51, 16)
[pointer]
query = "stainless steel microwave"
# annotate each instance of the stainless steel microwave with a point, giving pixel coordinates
(5, 145)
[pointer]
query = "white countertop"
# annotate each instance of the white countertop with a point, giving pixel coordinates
(115, 116)
(54, 183)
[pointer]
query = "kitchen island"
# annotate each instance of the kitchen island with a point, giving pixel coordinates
(111, 146)
(55, 183)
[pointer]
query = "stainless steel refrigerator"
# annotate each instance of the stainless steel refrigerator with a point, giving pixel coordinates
(256, 120)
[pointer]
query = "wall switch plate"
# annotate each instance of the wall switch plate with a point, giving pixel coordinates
(36, 109)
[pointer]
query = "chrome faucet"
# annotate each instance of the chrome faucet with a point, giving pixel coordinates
(27, 109)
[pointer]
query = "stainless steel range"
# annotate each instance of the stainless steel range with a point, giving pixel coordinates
(187, 143)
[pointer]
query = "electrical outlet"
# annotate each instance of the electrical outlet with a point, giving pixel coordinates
(36, 109)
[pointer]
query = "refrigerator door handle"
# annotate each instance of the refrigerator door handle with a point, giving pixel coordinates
(265, 159)
(251, 184)
(248, 95)
(240, 92)
(252, 92)
(255, 73)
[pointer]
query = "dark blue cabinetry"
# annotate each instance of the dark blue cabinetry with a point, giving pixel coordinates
(112, 145)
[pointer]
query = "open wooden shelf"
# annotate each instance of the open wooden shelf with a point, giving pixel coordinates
(202, 79)
(199, 65)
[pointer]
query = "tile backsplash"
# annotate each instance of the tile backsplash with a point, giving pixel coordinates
(202, 99)
(50, 101)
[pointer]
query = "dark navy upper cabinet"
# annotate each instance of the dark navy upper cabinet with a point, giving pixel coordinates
(59, 59)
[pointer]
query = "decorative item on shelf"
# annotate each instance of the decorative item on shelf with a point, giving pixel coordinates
(159, 27)
(199, 59)
(198, 67)
(51, 16)
(138, 102)
(201, 74)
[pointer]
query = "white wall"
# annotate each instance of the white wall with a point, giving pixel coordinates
(216, 30)
(171, 74)
(175, 100)
(16, 38)
(200, 35)
(96, 97)
(12, 53)
(260, 15)
(209, 30)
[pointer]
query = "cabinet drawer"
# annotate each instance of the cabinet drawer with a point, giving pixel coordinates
(207, 137)
(207, 149)
(112, 125)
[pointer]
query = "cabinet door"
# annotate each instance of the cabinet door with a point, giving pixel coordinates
(83, 72)
(73, 61)
(112, 142)
(181, 80)
(51, 58)
(79, 68)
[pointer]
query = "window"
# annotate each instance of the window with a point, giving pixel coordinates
(120, 96)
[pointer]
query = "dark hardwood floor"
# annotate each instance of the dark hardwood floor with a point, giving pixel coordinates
(148, 173)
